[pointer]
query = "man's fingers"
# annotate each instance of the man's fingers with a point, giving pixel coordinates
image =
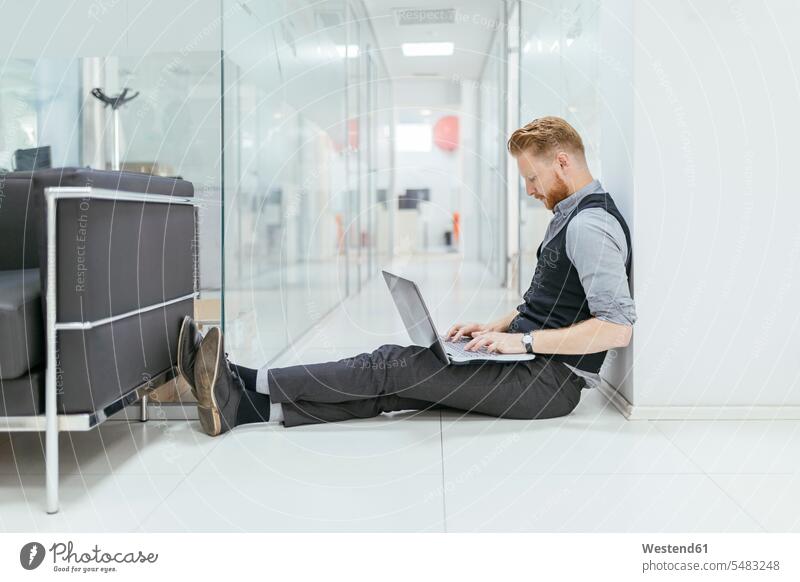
(477, 343)
(461, 330)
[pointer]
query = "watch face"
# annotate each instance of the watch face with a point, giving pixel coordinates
(528, 341)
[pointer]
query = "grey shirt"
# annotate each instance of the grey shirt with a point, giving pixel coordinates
(597, 247)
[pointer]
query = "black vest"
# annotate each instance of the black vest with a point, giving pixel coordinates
(556, 297)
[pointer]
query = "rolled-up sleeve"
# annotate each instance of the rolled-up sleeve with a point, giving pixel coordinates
(597, 247)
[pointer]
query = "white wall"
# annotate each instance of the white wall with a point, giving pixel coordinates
(716, 241)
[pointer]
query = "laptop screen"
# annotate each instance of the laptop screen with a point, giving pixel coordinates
(412, 310)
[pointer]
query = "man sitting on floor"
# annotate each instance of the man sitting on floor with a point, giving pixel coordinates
(578, 306)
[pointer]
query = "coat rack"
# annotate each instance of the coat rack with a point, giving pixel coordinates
(116, 103)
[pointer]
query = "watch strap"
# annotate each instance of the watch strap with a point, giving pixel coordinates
(529, 343)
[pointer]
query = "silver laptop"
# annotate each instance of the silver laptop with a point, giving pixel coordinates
(422, 331)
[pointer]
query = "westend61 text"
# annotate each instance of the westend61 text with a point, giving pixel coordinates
(670, 549)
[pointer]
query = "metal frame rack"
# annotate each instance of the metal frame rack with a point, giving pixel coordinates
(51, 422)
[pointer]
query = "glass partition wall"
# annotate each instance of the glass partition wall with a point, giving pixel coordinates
(279, 114)
(558, 75)
(171, 128)
(307, 116)
(542, 61)
(492, 155)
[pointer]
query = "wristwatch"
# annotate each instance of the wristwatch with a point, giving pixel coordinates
(527, 341)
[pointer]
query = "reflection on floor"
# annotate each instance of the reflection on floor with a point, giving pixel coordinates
(412, 471)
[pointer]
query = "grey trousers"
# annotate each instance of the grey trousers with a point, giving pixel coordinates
(393, 378)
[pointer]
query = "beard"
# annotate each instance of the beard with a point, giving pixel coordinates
(557, 193)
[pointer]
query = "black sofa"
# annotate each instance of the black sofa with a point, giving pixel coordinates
(114, 258)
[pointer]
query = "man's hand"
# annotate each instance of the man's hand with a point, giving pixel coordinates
(460, 330)
(497, 341)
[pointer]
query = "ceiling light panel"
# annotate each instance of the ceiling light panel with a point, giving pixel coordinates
(427, 49)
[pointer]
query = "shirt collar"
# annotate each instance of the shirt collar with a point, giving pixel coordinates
(568, 204)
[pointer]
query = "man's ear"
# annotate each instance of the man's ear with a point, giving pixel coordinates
(562, 159)
(558, 164)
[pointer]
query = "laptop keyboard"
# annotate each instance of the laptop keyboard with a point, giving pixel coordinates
(457, 349)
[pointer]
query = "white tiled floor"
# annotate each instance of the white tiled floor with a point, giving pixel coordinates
(414, 471)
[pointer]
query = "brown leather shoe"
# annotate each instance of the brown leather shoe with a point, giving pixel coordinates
(189, 340)
(219, 391)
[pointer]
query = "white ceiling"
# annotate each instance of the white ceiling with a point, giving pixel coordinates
(472, 32)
